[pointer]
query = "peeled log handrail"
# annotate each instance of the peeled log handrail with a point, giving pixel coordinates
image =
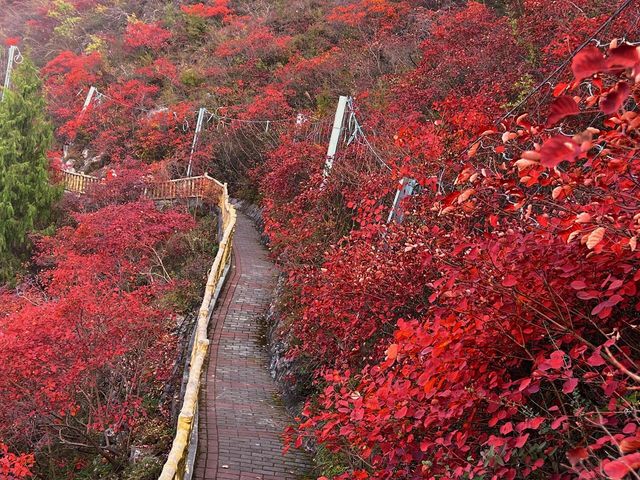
(191, 187)
(174, 468)
(78, 182)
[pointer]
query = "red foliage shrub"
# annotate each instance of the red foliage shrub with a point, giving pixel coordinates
(219, 8)
(111, 123)
(149, 35)
(12, 466)
(463, 51)
(12, 41)
(489, 334)
(380, 15)
(160, 69)
(77, 360)
(65, 76)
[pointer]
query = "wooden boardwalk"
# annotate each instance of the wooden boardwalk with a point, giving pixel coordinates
(241, 419)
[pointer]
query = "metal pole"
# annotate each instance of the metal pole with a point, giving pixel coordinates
(407, 187)
(336, 132)
(14, 56)
(87, 100)
(201, 113)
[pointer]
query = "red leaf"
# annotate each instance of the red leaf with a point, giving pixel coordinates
(392, 351)
(578, 285)
(558, 421)
(587, 62)
(401, 413)
(509, 281)
(576, 455)
(630, 444)
(570, 385)
(521, 440)
(596, 359)
(556, 150)
(598, 308)
(557, 359)
(506, 428)
(611, 101)
(619, 468)
(623, 56)
(616, 284)
(561, 87)
(562, 107)
(613, 300)
(587, 294)
(524, 384)
(534, 423)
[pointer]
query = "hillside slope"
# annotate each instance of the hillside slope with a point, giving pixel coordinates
(489, 330)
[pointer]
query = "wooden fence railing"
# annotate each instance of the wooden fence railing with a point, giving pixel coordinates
(78, 182)
(178, 466)
(203, 186)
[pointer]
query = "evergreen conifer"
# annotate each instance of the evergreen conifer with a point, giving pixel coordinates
(26, 194)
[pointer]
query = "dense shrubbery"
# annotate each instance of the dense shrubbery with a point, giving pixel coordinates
(493, 333)
(85, 349)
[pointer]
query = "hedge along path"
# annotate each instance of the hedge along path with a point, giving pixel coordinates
(241, 438)
(179, 464)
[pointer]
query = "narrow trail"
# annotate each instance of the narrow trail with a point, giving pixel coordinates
(241, 419)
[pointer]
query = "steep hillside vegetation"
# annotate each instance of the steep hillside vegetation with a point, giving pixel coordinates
(491, 331)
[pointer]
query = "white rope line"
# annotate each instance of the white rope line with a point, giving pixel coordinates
(355, 126)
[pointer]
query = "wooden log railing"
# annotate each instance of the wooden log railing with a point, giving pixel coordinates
(203, 186)
(178, 465)
(78, 182)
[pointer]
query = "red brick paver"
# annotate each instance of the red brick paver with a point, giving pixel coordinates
(241, 421)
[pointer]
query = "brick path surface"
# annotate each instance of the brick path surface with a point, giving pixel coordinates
(241, 419)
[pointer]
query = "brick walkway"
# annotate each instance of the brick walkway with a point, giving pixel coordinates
(241, 420)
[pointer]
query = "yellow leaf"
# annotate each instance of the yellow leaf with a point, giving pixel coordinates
(464, 196)
(556, 192)
(573, 235)
(392, 351)
(524, 163)
(595, 237)
(507, 136)
(446, 210)
(583, 217)
(531, 155)
(473, 149)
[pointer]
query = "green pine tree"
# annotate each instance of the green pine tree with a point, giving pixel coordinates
(26, 194)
